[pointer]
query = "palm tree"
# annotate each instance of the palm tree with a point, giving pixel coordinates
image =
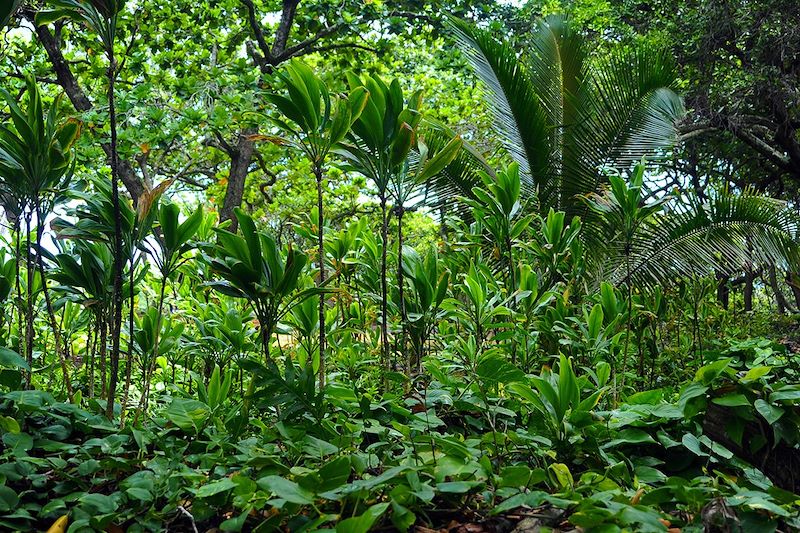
(380, 141)
(651, 243)
(35, 171)
(102, 16)
(641, 243)
(564, 116)
(315, 129)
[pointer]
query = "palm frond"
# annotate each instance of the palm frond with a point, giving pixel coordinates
(520, 117)
(559, 68)
(727, 233)
(635, 111)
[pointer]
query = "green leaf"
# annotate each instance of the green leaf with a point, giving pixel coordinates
(8, 499)
(98, 504)
(363, 523)
(495, 369)
(286, 490)
(786, 393)
(402, 517)
(732, 400)
(457, 487)
(630, 436)
(11, 359)
(710, 372)
(215, 487)
(771, 413)
(755, 373)
(236, 523)
(562, 475)
(9, 425)
(187, 414)
(693, 444)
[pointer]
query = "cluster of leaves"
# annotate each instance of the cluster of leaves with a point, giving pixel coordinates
(502, 442)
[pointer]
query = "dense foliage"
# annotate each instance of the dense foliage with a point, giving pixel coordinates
(268, 282)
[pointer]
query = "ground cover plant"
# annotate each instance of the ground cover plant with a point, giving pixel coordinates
(330, 281)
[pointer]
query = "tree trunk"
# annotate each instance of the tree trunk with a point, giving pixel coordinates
(29, 307)
(384, 285)
(117, 316)
(749, 277)
(131, 348)
(780, 299)
(241, 155)
(401, 290)
(779, 461)
(82, 103)
(321, 259)
(103, 353)
(723, 291)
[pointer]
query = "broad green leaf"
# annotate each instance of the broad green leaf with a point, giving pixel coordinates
(286, 490)
(215, 487)
(11, 359)
(710, 372)
(771, 413)
(363, 523)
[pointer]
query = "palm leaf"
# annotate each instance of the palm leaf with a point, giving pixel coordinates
(727, 233)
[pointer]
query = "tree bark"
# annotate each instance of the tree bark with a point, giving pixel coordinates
(240, 155)
(723, 291)
(321, 259)
(384, 285)
(749, 277)
(82, 103)
(779, 461)
(780, 299)
(116, 330)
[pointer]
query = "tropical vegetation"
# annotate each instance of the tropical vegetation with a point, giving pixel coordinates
(402, 266)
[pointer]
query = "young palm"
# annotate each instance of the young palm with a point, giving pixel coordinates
(102, 16)
(639, 243)
(315, 128)
(35, 171)
(378, 146)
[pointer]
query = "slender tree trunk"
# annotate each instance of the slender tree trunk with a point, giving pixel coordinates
(266, 336)
(18, 303)
(384, 285)
(30, 301)
(723, 291)
(780, 299)
(627, 328)
(131, 349)
(401, 290)
(91, 352)
(321, 259)
(748, 290)
(48, 304)
(104, 353)
(512, 278)
(117, 316)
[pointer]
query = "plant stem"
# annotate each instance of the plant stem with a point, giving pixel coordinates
(117, 316)
(50, 313)
(321, 259)
(384, 286)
